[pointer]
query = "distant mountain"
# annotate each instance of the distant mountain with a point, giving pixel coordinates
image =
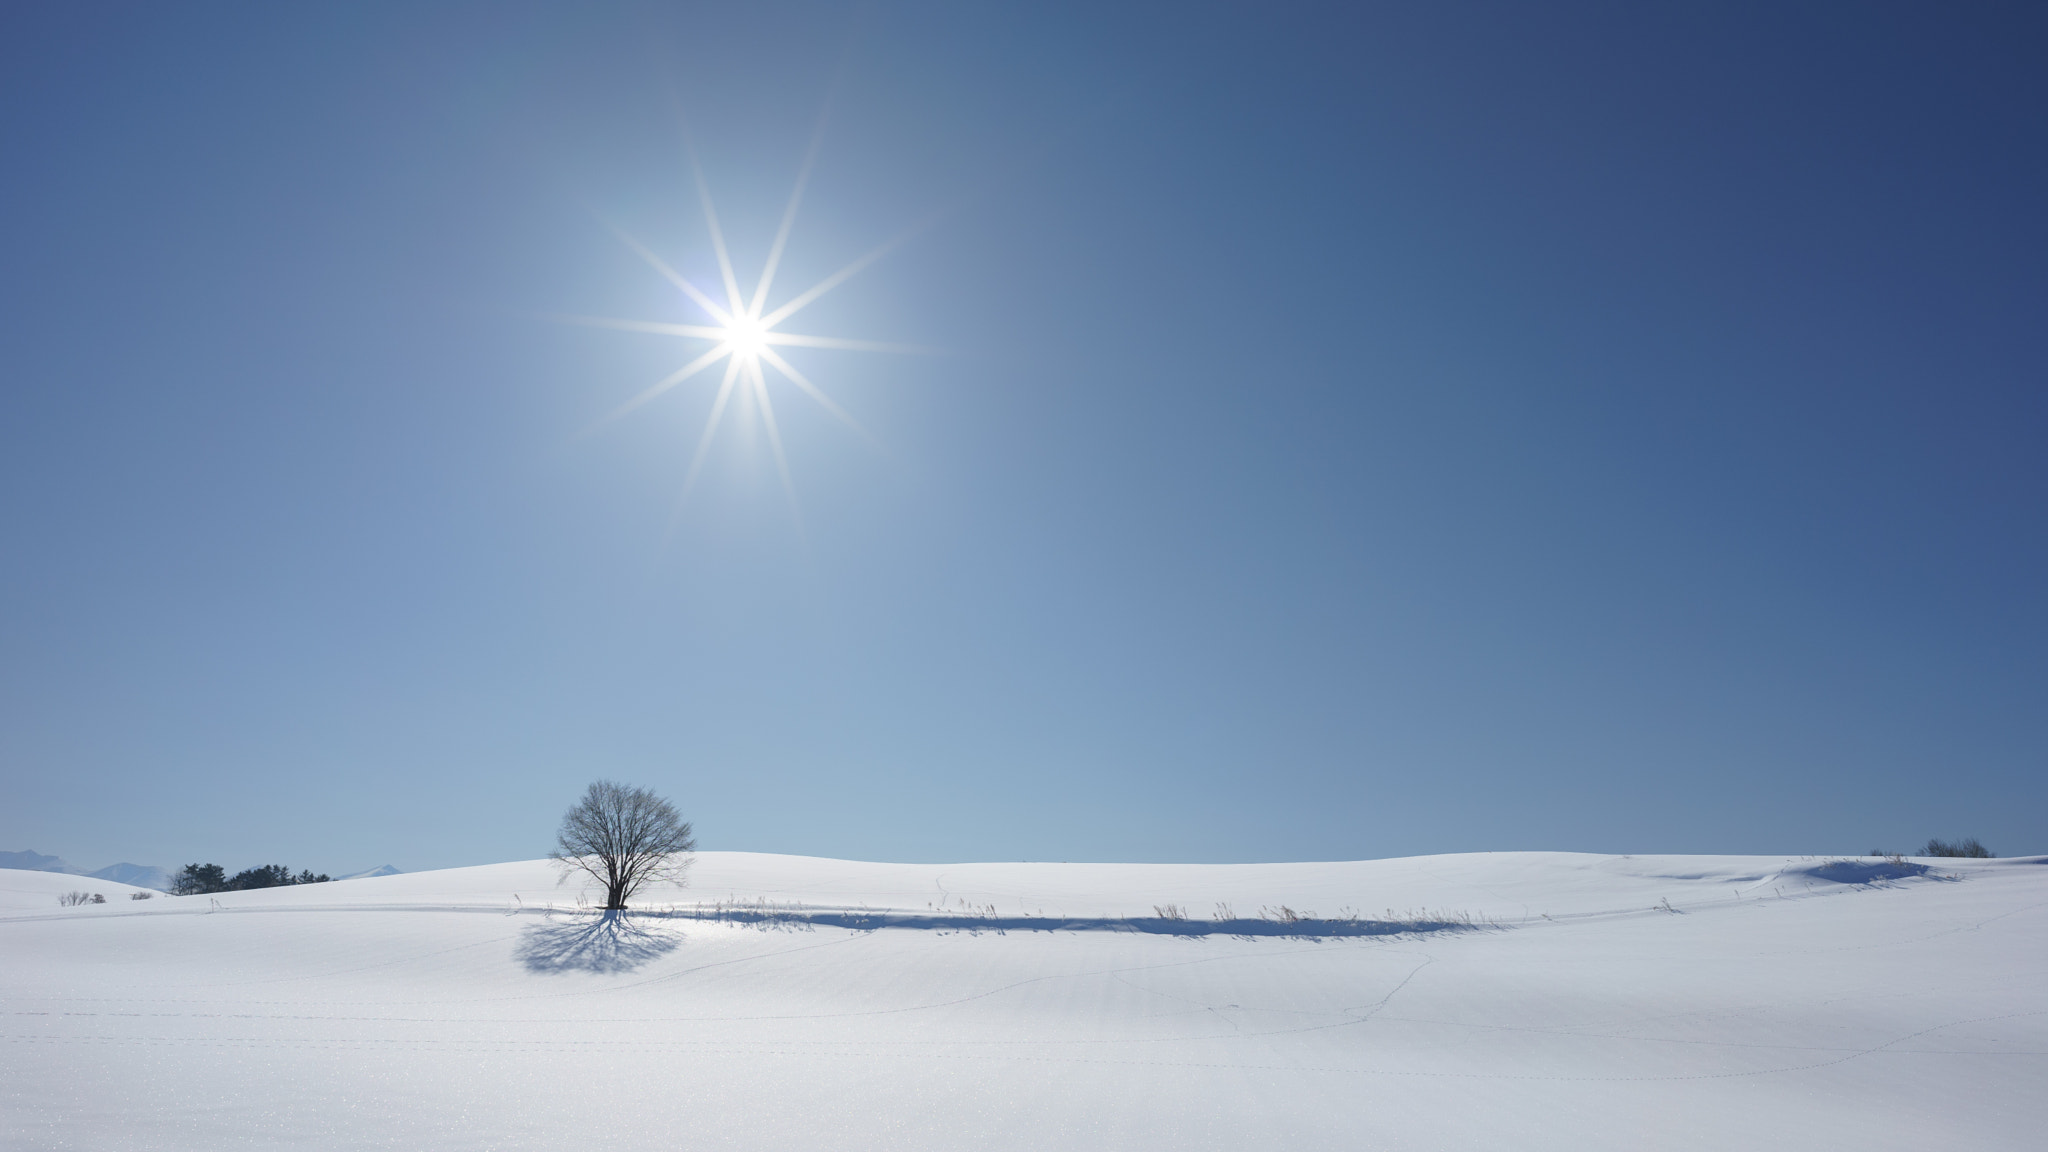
(140, 875)
(380, 870)
(33, 861)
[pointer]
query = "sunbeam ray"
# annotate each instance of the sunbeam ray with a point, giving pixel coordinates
(796, 197)
(775, 442)
(791, 339)
(667, 382)
(732, 371)
(732, 283)
(816, 393)
(675, 278)
(829, 283)
(702, 332)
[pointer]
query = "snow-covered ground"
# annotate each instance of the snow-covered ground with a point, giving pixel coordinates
(1784, 1003)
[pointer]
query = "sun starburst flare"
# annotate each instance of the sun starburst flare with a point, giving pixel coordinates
(744, 334)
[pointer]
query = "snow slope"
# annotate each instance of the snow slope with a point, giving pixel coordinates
(38, 891)
(144, 875)
(1778, 1002)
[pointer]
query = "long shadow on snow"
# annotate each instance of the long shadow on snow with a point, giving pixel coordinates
(1876, 872)
(804, 919)
(607, 943)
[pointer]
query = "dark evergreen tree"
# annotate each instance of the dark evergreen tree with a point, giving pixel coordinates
(199, 879)
(266, 876)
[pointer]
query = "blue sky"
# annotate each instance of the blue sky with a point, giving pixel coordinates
(1354, 431)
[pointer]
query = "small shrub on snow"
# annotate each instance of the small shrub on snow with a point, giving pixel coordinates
(1966, 848)
(74, 899)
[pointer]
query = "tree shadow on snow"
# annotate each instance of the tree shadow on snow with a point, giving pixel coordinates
(1877, 873)
(609, 942)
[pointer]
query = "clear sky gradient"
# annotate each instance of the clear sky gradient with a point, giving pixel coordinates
(1354, 431)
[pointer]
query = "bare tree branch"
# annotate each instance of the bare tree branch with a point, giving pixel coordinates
(623, 838)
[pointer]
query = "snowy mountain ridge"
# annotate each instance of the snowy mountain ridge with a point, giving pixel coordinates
(138, 875)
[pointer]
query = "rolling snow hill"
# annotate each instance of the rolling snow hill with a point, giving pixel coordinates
(1590, 1002)
(143, 875)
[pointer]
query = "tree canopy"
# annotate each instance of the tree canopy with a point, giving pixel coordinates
(623, 837)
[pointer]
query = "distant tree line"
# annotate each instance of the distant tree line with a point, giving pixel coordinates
(200, 879)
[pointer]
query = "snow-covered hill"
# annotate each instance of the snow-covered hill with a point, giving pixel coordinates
(40, 890)
(143, 875)
(1598, 1002)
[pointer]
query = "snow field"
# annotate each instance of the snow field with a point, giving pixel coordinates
(1773, 1005)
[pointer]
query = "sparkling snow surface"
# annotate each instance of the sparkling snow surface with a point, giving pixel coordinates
(1779, 1002)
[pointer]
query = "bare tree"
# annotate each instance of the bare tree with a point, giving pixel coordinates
(623, 837)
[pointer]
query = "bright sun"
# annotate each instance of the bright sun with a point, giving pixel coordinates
(746, 336)
(743, 332)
